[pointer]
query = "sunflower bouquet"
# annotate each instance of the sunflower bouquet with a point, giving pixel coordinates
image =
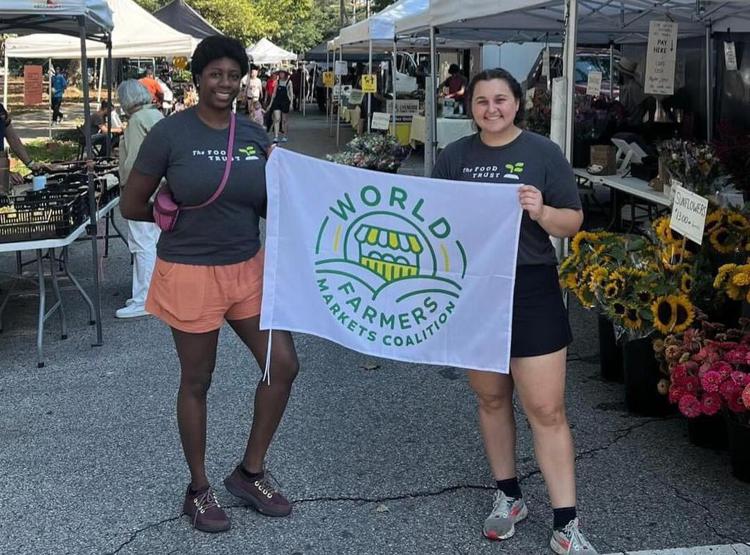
(631, 280)
(707, 369)
(734, 281)
(727, 231)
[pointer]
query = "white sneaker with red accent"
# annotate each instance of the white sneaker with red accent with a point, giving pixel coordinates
(506, 512)
(571, 540)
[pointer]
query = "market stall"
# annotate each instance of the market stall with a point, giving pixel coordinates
(179, 15)
(86, 19)
(266, 52)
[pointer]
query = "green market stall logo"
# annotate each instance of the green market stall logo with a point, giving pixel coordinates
(386, 272)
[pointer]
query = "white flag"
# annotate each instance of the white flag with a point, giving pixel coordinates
(401, 267)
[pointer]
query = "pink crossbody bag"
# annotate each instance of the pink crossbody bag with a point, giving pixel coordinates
(166, 210)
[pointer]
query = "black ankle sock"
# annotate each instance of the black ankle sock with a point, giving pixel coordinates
(249, 475)
(562, 517)
(510, 487)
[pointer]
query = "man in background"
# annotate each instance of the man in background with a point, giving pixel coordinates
(59, 84)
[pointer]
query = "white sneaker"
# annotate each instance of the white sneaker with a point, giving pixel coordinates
(571, 540)
(131, 311)
(284, 139)
(506, 512)
(129, 301)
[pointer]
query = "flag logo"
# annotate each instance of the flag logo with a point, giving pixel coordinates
(385, 271)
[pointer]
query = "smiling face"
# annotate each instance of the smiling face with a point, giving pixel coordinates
(493, 106)
(220, 83)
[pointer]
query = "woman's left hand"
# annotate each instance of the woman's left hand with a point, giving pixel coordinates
(531, 200)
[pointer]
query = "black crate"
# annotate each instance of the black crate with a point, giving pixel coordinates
(41, 215)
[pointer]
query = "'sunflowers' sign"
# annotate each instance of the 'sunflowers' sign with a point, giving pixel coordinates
(688, 214)
(406, 268)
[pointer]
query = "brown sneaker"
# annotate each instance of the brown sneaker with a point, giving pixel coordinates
(205, 511)
(260, 494)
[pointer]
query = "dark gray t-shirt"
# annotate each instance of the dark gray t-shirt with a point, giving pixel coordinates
(192, 156)
(529, 160)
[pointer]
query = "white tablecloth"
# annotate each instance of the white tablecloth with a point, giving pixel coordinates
(448, 130)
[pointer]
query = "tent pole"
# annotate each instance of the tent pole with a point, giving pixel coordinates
(92, 230)
(49, 108)
(109, 96)
(432, 99)
(369, 71)
(329, 96)
(5, 80)
(99, 90)
(709, 88)
(393, 95)
(571, 34)
(338, 111)
(611, 70)
(303, 78)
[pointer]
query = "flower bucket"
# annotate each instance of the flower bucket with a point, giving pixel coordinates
(708, 431)
(610, 355)
(739, 448)
(641, 373)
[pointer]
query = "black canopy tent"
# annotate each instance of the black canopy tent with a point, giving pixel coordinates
(86, 19)
(179, 15)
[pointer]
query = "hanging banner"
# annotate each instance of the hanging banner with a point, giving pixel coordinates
(341, 68)
(33, 85)
(411, 269)
(594, 84)
(369, 83)
(661, 58)
(730, 56)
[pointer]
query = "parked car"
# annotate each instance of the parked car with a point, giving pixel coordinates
(587, 60)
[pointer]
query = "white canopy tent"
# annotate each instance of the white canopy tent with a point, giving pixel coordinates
(136, 33)
(266, 52)
(89, 19)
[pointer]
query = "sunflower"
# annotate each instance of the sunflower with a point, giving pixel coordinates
(722, 276)
(686, 283)
(618, 309)
(664, 233)
(570, 282)
(664, 313)
(684, 313)
(738, 221)
(598, 277)
(713, 221)
(721, 240)
(575, 244)
(644, 296)
(631, 319)
(611, 290)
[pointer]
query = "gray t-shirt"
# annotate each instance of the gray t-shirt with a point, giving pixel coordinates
(529, 160)
(192, 156)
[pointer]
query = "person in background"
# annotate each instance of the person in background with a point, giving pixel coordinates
(167, 97)
(98, 125)
(253, 90)
(540, 331)
(296, 80)
(148, 81)
(634, 101)
(59, 84)
(279, 106)
(135, 101)
(209, 270)
(257, 113)
(455, 85)
(9, 134)
(271, 83)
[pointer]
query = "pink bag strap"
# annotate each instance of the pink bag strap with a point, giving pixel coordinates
(227, 169)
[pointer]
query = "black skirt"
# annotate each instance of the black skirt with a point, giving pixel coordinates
(540, 319)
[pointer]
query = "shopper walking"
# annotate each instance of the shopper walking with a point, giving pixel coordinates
(136, 102)
(501, 152)
(281, 103)
(59, 84)
(210, 269)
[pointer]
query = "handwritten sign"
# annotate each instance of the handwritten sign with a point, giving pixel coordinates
(380, 121)
(33, 85)
(594, 84)
(329, 79)
(369, 83)
(341, 68)
(355, 97)
(688, 214)
(405, 109)
(661, 58)
(730, 56)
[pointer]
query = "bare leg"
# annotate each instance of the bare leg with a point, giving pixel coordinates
(197, 354)
(276, 123)
(270, 400)
(496, 420)
(540, 382)
(284, 123)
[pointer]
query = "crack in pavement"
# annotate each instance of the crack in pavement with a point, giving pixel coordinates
(143, 529)
(620, 435)
(709, 517)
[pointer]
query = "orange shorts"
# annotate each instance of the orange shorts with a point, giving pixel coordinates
(197, 299)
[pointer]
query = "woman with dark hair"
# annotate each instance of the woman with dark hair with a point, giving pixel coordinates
(210, 269)
(280, 104)
(455, 85)
(502, 152)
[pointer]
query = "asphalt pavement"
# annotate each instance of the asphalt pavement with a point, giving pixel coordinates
(378, 457)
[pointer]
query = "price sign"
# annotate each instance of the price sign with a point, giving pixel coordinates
(380, 121)
(369, 83)
(688, 214)
(661, 58)
(340, 68)
(730, 56)
(329, 79)
(594, 84)
(33, 85)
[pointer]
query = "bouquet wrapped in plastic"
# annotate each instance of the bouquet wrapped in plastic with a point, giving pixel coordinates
(372, 151)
